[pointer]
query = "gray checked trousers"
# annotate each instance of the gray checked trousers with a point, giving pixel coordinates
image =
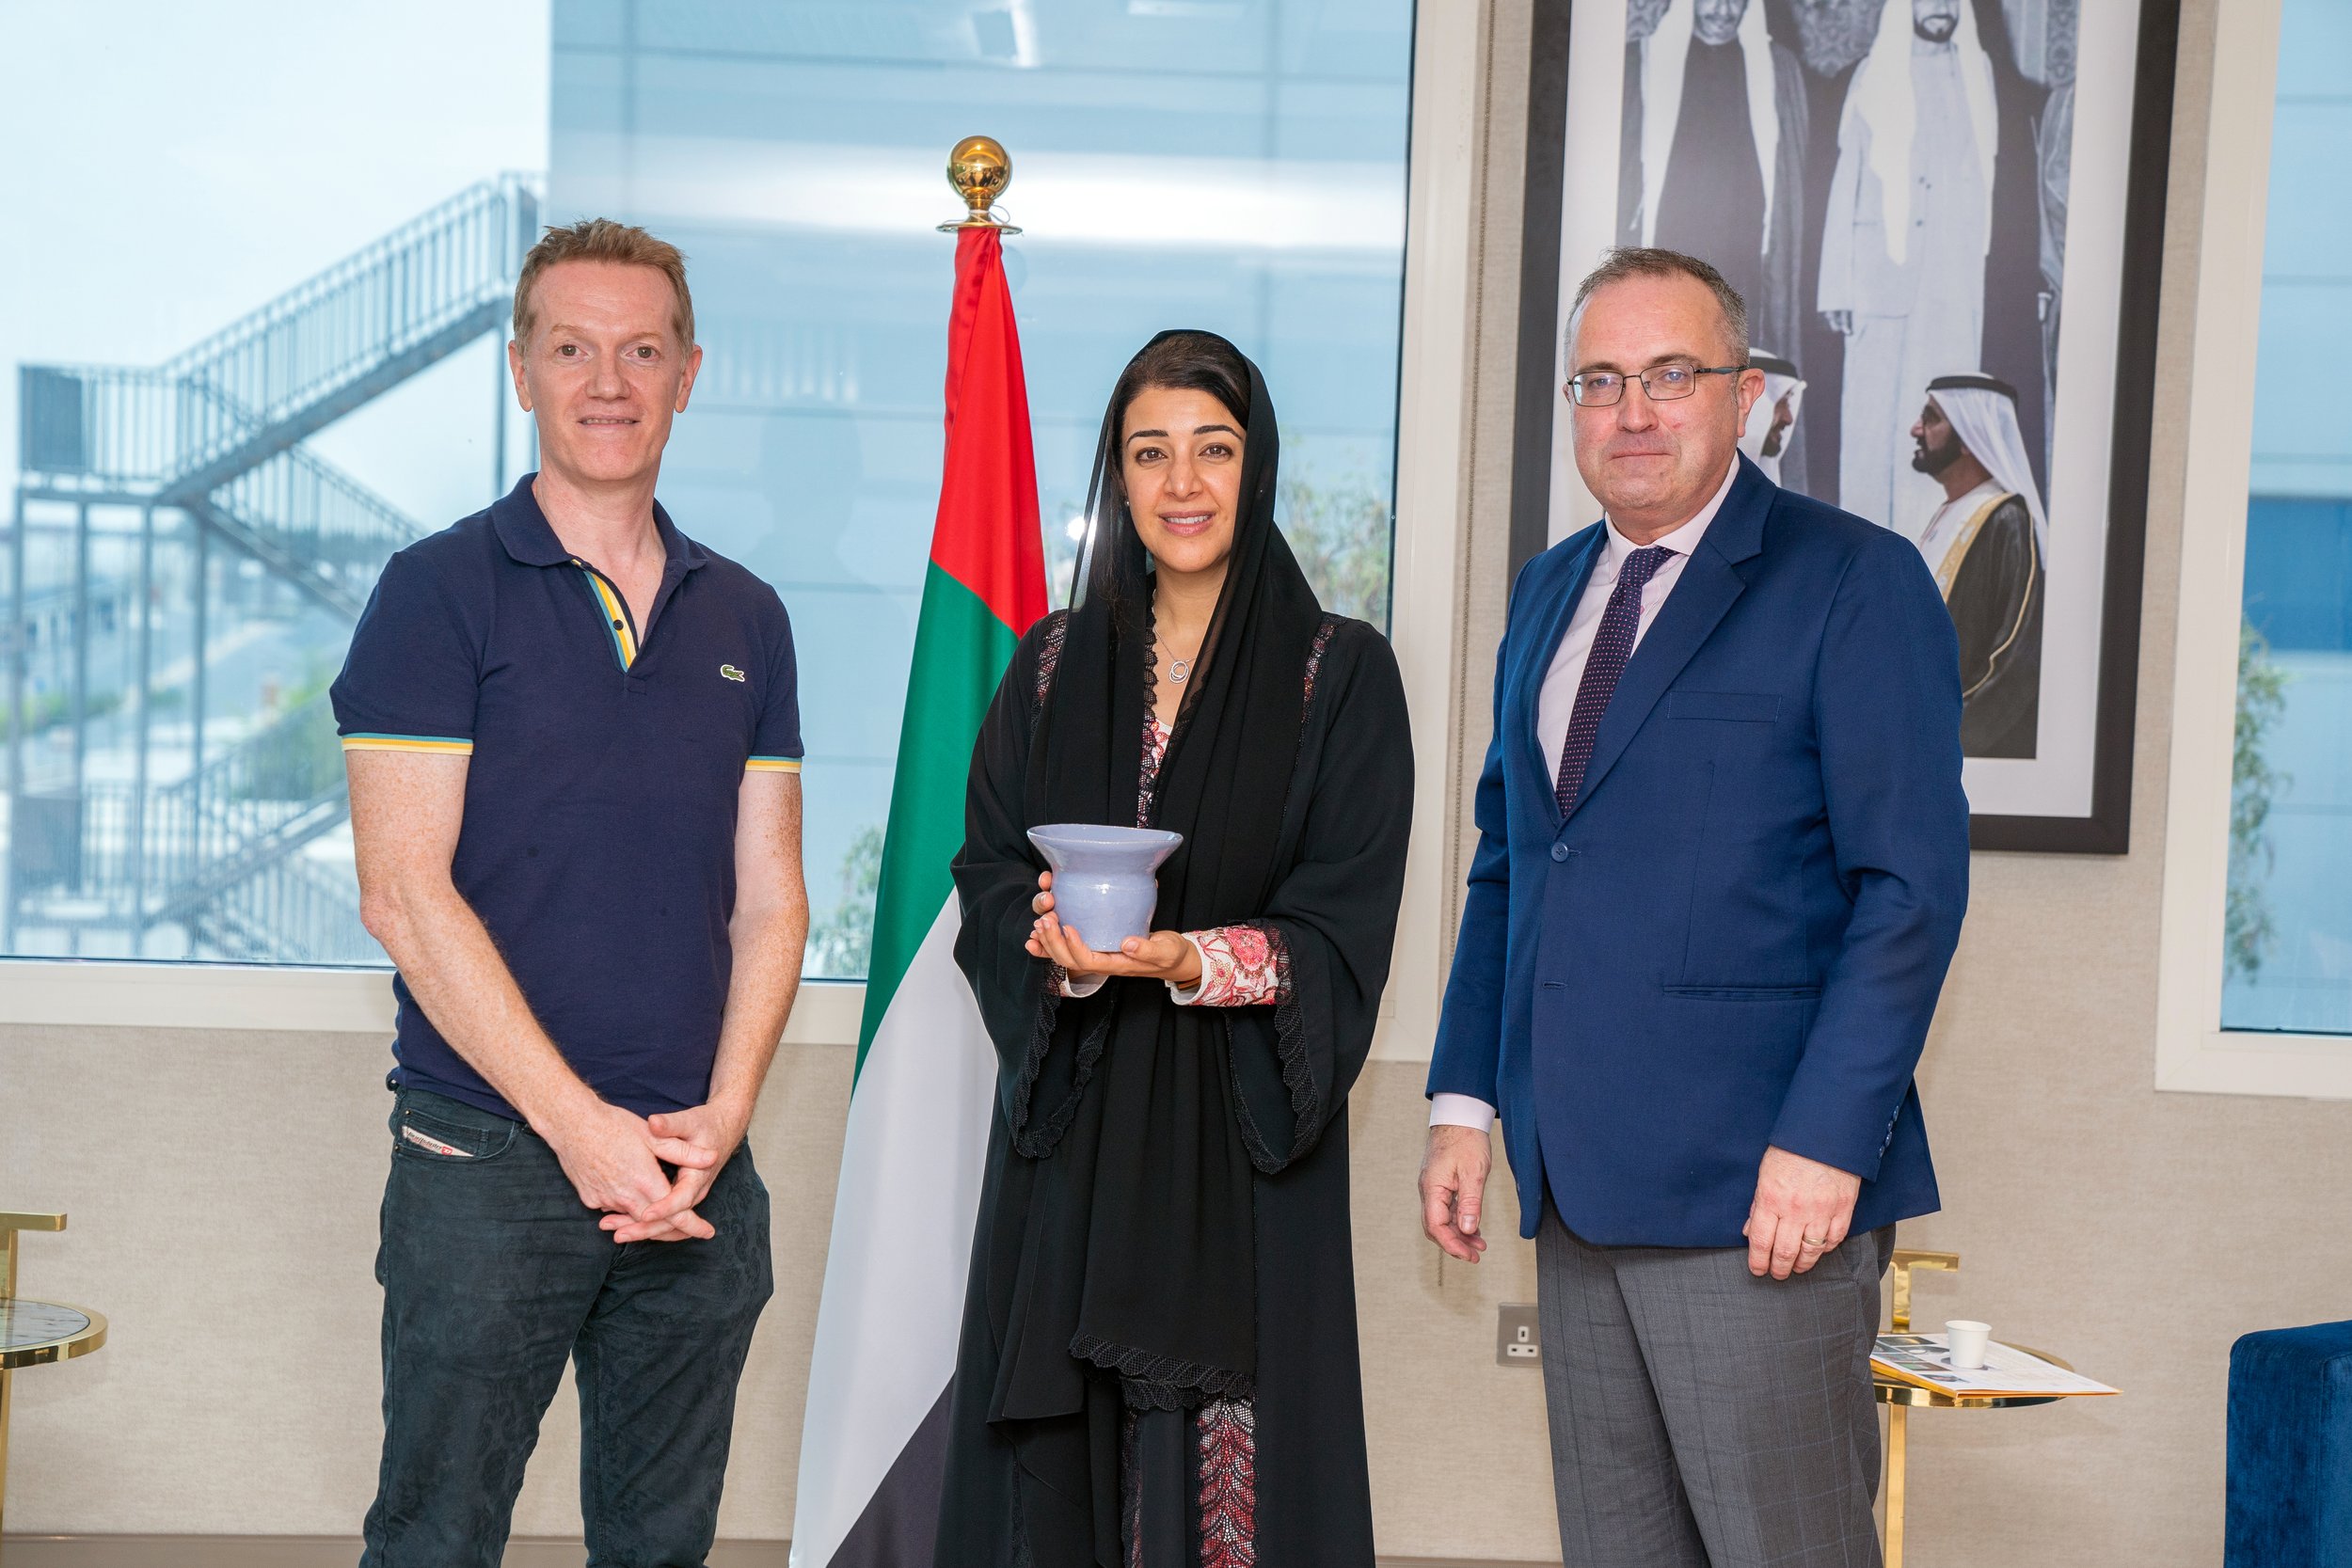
(1701, 1417)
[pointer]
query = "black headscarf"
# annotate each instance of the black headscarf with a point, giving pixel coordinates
(1167, 1298)
(1117, 1260)
(1158, 1284)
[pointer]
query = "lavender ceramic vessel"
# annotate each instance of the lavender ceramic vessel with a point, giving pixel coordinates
(1104, 877)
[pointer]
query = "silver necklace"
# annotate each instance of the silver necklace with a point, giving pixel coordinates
(1178, 670)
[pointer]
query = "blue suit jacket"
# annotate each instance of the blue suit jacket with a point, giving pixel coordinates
(1737, 938)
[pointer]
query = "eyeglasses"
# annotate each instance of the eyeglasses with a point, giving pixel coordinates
(1660, 383)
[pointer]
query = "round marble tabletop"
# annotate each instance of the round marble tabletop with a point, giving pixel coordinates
(34, 1332)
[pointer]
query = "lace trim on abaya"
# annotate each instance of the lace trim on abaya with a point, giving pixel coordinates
(1289, 1048)
(1037, 1142)
(1149, 1381)
(1290, 1023)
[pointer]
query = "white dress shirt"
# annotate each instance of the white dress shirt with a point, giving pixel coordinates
(1555, 704)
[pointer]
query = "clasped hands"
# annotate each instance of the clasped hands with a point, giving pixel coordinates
(614, 1158)
(1162, 956)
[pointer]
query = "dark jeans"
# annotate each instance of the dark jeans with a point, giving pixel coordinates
(494, 1275)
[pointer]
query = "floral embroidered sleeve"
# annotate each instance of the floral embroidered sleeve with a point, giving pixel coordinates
(1241, 966)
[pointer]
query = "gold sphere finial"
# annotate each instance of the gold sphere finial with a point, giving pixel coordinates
(979, 168)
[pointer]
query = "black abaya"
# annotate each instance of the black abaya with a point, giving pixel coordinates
(1165, 1216)
(1995, 603)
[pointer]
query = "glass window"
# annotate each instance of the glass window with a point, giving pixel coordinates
(249, 346)
(1235, 165)
(2288, 961)
(243, 365)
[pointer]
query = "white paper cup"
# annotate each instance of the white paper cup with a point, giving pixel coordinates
(1969, 1341)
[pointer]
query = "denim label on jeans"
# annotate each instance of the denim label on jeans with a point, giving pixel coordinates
(433, 1146)
(429, 1127)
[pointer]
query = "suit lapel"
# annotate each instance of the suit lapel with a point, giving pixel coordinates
(1545, 649)
(1710, 584)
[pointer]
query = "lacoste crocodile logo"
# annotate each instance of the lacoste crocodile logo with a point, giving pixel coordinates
(730, 672)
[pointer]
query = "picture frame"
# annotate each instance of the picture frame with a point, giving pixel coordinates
(2066, 202)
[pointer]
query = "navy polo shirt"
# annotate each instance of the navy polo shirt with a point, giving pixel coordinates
(598, 843)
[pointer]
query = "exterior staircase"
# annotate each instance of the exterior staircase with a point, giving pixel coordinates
(217, 432)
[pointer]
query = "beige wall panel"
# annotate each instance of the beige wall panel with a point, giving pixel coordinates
(223, 1192)
(223, 1188)
(1461, 1466)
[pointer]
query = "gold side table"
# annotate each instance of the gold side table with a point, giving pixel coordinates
(1900, 1398)
(34, 1332)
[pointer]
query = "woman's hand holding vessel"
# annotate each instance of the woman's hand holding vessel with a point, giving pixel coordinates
(1163, 956)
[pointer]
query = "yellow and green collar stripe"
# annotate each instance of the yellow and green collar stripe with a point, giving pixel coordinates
(443, 744)
(616, 615)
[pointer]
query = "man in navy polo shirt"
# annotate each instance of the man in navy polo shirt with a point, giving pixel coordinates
(574, 746)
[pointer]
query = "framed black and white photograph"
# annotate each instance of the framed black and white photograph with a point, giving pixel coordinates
(1947, 219)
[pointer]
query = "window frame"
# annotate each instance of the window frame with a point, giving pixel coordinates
(150, 993)
(2194, 1053)
(1431, 512)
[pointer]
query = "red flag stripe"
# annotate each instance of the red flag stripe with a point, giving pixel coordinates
(986, 536)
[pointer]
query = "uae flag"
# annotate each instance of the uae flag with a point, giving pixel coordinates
(874, 1440)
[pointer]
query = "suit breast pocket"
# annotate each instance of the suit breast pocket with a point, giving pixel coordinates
(1745, 929)
(1737, 707)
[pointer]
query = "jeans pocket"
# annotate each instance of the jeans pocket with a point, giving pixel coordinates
(743, 1158)
(440, 1131)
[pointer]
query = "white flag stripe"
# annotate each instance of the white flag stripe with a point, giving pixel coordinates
(913, 1156)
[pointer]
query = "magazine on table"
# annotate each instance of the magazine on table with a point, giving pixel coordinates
(1926, 1360)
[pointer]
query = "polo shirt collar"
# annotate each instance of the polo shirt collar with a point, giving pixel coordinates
(530, 540)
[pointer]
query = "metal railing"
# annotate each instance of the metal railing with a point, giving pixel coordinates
(302, 361)
(216, 432)
(290, 911)
(266, 797)
(218, 851)
(312, 524)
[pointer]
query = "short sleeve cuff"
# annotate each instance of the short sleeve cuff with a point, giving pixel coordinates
(378, 740)
(772, 764)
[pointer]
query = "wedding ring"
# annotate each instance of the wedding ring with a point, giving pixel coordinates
(1816, 1240)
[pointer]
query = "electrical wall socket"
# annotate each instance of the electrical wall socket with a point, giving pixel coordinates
(1516, 1341)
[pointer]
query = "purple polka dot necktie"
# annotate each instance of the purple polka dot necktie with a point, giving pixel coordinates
(1612, 645)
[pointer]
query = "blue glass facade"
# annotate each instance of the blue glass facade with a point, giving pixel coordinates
(2289, 956)
(215, 444)
(1234, 165)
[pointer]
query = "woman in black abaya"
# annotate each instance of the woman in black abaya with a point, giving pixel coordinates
(1158, 1363)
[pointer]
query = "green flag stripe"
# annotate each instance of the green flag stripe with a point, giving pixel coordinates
(960, 651)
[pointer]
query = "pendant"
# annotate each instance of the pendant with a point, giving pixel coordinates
(1178, 670)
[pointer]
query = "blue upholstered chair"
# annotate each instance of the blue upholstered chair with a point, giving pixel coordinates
(2291, 1449)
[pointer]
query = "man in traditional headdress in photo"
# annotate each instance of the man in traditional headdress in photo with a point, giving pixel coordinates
(1712, 156)
(1903, 245)
(1770, 437)
(1988, 545)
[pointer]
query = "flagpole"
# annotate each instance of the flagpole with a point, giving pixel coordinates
(915, 1142)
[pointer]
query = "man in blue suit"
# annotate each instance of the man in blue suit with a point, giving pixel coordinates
(1721, 865)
